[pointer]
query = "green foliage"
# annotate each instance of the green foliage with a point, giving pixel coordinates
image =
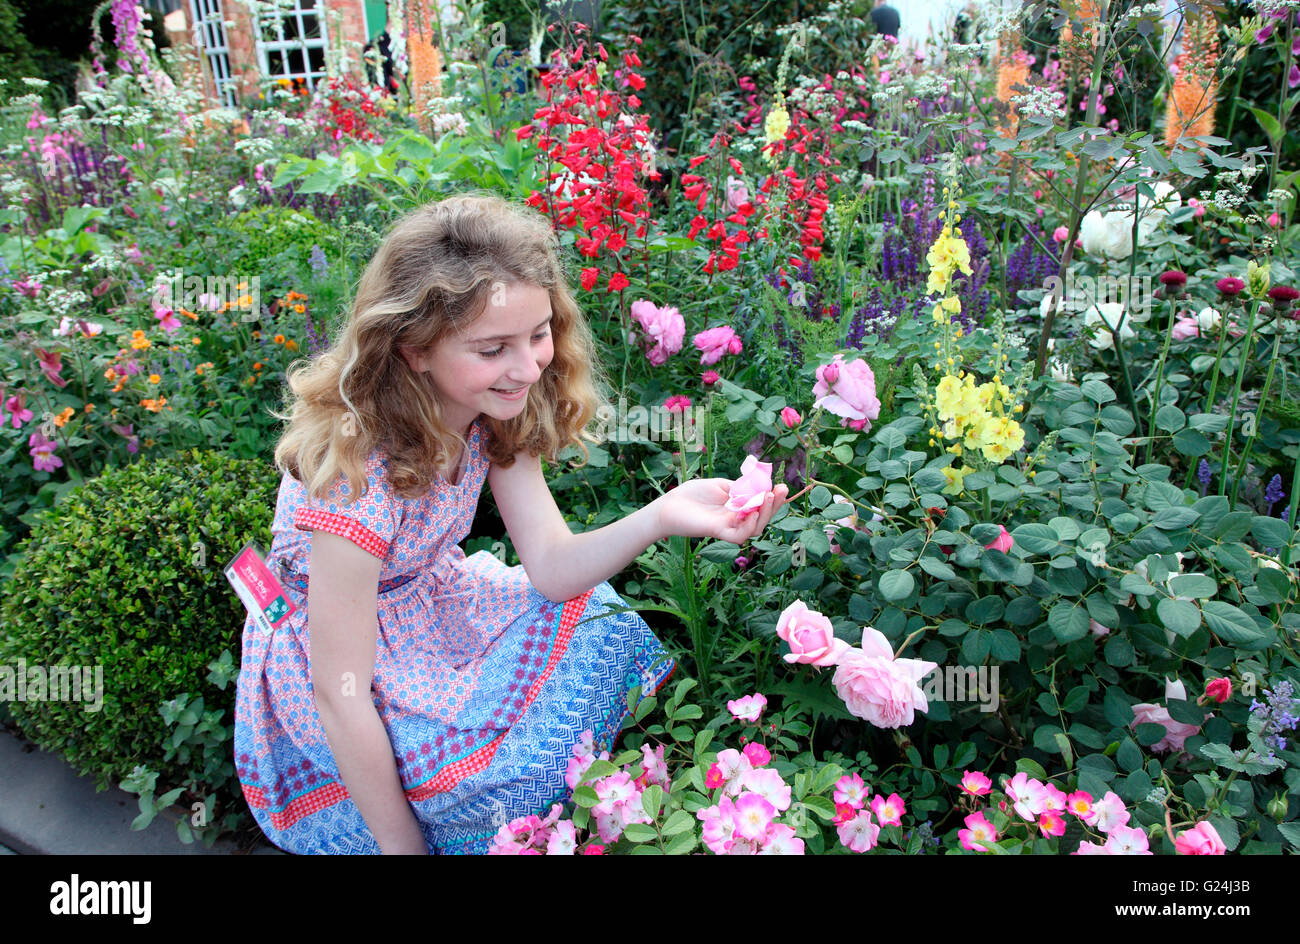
(126, 575)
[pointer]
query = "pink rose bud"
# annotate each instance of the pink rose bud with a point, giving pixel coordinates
(830, 373)
(1201, 839)
(1274, 220)
(790, 417)
(1219, 689)
(1060, 234)
(1003, 542)
(735, 346)
(810, 636)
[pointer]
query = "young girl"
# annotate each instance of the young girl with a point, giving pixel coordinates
(419, 699)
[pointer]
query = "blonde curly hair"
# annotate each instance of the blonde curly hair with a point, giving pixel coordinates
(430, 279)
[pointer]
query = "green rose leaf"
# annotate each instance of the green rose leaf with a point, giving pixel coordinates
(896, 585)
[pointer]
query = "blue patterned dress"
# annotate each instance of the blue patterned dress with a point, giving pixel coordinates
(483, 685)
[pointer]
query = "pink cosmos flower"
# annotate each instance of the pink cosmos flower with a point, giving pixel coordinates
(859, 834)
(810, 636)
(878, 687)
(749, 708)
(888, 812)
(757, 754)
(750, 490)
(1028, 795)
(1003, 542)
(790, 417)
(1126, 841)
(677, 404)
(1201, 839)
(1079, 803)
(974, 783)
(850, 791)
(768, 784)
(715, 342)
(1111, 813)
(848, 391)
(665, 330)
(977, 828)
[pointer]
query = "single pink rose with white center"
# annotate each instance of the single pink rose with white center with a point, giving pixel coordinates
(1055, 799)
(810, 636)
(977, 828)
(1201, 839)
(1051, 824)
(888, 812)
(753, 816)
(781, 840)
(563, 840)
(653, 767)
(877, 687)
(1111, 812)
(1079, 804)
(768, 784)
(749, 708)
(850, 791)
(1125, 841)
(859, 834)
(731, 765)
(1090, 848)
(848, 391)
(748, 492)
(975, 784)
(719, 826)
(716, 342)
(1029, 796)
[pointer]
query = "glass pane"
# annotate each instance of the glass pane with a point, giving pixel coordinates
(316, 56)
(299, 60)
(291, 27)
(275, 62)
(311, 25)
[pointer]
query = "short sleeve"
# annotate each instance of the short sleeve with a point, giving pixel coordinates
(370, 522)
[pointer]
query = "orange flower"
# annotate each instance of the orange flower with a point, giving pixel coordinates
(257, 365)
(256, 335)
(299, 309)
(110, 374)
(89, 407)
(425, 62)
(291, 345)
(190, 315)
(1013, 70)
(205, 365)
(139, 341)
(279, 339)
(154, 406)
(155, 379)
(1189, 112)
(198, 341)
(62, 419)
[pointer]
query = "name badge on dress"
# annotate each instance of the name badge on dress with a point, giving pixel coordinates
(260, 591)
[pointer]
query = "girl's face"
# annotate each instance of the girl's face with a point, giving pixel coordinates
(491, 367)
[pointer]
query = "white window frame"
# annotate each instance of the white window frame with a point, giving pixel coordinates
(273, 19)
(209, 35)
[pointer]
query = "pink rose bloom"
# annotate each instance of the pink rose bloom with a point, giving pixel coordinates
(757, 754)
(781, 840)
(749, 708)
(714, 779)
(850, 791)
(859, 834)
(790, 417)
(848, 391)
(1054, 799)
(877, 687)
(1029, 796)
(1201, 839)
(1176, 732)
(974, 783)
(753, 816)
(1098, 630)
(1219, 689)
(1003, 542)
(1198, 207)
(563, 839)
(1079, 803)
(715, 342)
(653, 767)
(888, 812)
(1125, 841)
(1090, 848)
(732, 766)
(1185, 328)
(811, 638)
(1111, 813)
(768, 784)
(664, 328)
(1060, 234)
(1273, 219)
(750, 490)
(977, 827)
(719, 826)
(1051, 824)
(737, 194)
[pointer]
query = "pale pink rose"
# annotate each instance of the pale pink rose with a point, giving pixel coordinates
(1125, 841)
(737, 194)
(749, 708)
(1090, 848)
(877, 687)
(753, 816)
(1110, 811)
(719, 826)
(1198, 207)
(653, 767)
(1098, 630)
(810, 635)
(1003, 542)
(564, 840)
(665, 330)
(848, 391)
(750, 490)
(850, 791)
(732, 766)
(859, 834)
(1185, 328)
(1201, 839)
(715, 342)
(768, 784)
(1176, 732)
(1029, 796)
(1054, 799)
(781, 840)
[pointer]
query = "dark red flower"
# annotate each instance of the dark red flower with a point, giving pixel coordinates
(1230, 286)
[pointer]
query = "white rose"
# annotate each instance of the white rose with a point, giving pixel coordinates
(1118, 240)
(1092, 232)
(1108, 316)
(1208, 319)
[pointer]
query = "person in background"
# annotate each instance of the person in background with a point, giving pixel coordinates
(885, 19)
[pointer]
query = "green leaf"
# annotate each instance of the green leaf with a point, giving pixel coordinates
(1189, 442)
(937, 568)
(1170, 519)
(1179, 616)
(896, 585)
(678, 822)
(1129, 757)
(1193, 586)
(1068, 622)
(996, 565)
(584, 795)
(682, 845)
(651, 799)
(1170, 418)
(1036, 538)
(1097, 391)
(640, 832)
(822, 806)
(1270, 532)
(1268, 123)
(1232, 625)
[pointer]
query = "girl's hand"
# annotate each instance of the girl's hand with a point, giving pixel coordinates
(697, 509)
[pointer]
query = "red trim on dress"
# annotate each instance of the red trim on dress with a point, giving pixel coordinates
(309, 519)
